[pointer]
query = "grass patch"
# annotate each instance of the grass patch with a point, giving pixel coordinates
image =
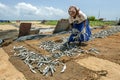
(51, 22)
(102, 23)
(4, 23)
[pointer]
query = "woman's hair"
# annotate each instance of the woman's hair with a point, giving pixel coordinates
(77, 10)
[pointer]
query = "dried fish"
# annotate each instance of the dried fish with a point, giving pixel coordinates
(46, 70)
(64, 68)
(94, 50)
(52, 70)
(32, 69)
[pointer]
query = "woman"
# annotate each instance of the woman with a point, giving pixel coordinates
(80, 25)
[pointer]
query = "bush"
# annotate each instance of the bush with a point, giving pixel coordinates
(92, 18)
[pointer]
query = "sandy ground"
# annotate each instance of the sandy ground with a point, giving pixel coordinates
(86, 66)
(98, 64)
(108, 59)
(7, 70)
(7, 27)
(109, 47)
(36, 25)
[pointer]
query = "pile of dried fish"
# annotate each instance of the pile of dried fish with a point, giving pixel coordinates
(38, 62)
(46, 64)
(58, 49)
(50, 46)
(105, 33)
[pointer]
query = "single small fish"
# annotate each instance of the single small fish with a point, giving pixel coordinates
(64, 67)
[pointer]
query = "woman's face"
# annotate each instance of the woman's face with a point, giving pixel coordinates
(72, 12)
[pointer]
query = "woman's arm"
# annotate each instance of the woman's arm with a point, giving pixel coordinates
(85, 23)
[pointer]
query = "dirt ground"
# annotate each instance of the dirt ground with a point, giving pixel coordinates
(89, 66)
(109, 47)
(7, 70)
(110, 70)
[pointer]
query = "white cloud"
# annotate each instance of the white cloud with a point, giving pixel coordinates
(5, 11)
(2, 6)
(28, 11)
(25, 9)
(50, 12)
(25, 6)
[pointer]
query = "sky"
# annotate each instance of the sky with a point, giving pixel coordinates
(57, 9)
